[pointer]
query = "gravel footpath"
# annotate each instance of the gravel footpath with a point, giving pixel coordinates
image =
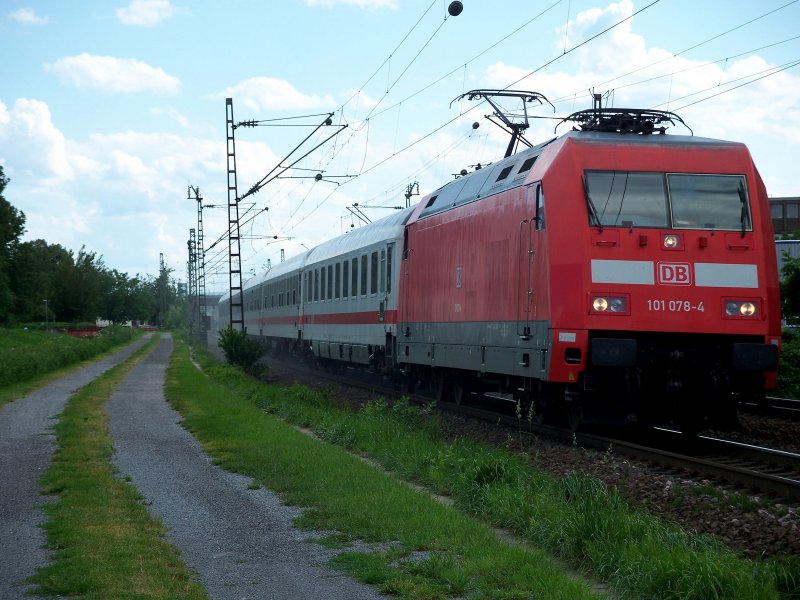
(239, 541)
(27, 445)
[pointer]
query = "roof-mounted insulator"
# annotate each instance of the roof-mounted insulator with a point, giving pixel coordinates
(623, 120)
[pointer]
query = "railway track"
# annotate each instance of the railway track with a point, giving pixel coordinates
(728, 463)
(782, 408)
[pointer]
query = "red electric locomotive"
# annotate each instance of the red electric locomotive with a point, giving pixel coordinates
(612, 268)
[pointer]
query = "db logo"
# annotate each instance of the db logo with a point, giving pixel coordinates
(674, 273)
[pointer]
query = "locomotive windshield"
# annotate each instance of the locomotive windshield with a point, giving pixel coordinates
(674, 200)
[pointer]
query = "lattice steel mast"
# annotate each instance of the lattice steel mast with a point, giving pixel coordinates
(192, 286)
(200, 273)
(234, 246)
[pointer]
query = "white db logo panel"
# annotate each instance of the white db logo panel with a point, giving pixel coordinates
(670, 273)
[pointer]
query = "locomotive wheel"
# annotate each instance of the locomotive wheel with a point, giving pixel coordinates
(459, 392)
(573, 409)
(541, 410)
(574, 416)
(438, 387)
(408, 382)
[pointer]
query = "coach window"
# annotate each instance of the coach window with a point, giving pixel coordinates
(345, 279)
(337, 284)
(316, 285)
(364, 274)
(323, 284)
(382, 279)
(373, 284)
(354, 278)
(329, 295)
(539, 208)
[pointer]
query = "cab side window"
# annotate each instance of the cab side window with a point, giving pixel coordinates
(539, 208)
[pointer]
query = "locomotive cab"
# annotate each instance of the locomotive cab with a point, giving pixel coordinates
(673, 297)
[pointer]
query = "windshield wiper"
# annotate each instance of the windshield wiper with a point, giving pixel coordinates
(743, 200)
(590, 205)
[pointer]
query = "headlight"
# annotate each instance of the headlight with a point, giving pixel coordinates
(741, 309)
(672, 242)
(748, 309)
(613, 305)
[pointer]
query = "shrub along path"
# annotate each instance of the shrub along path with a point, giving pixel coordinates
(26, 450)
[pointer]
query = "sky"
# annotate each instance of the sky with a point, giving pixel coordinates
(111, 109)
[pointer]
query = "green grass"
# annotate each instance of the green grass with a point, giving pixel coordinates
(355, 501)
(575, 517)
(30, 359)
(105, 543)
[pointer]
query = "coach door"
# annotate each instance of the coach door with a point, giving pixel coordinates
(385, 290)
(526, 256)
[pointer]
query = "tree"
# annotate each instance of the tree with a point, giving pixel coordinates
(32, 274)
(77, 287)
(12, 226)
(790, 288)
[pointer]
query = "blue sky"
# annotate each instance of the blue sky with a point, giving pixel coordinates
(109, 110)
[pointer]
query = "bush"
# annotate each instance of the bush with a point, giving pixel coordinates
(25, 354)
(240, 350)
(789, 368)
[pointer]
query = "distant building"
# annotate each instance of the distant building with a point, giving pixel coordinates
(790, 248)
(785, 214)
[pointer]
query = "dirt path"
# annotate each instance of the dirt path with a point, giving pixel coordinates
(240, 541)
(26, 451)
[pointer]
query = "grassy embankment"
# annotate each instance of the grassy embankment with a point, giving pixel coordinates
(30, 359)
(575, 517)
(105, 543)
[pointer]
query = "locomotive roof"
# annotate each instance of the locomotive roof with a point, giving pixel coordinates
(512, 171)
(646, 140)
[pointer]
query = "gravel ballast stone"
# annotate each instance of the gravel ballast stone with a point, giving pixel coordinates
(239, 541)
(27, 445)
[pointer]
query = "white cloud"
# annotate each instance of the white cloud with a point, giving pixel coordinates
(114, 75)
(273, 94)
(28, 16)
(31, 143)
(370, 4)
(172, 114)
(147, 13)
